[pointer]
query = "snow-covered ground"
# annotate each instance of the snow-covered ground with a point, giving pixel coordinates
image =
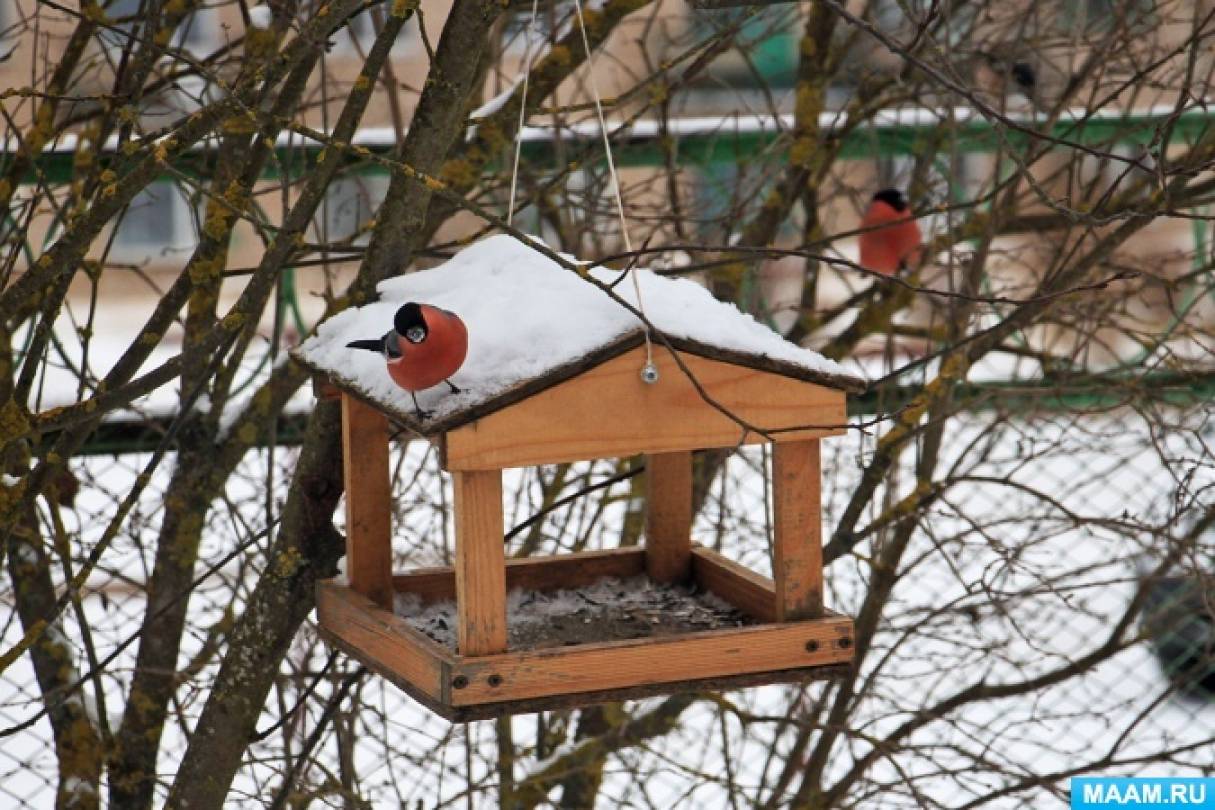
(1000, 584)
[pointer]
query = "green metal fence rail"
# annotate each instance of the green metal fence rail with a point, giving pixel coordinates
(1091, 394)
(728, 139)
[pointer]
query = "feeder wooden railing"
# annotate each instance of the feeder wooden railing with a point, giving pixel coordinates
(468, 687)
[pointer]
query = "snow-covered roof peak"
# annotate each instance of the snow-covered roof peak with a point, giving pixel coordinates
(529, 319)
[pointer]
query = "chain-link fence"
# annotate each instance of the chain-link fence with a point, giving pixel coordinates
(1031, 574)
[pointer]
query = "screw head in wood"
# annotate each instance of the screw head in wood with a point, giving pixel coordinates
(649, 374)
(495, 680)
(459, 682)
(844, 643)
(812, 646)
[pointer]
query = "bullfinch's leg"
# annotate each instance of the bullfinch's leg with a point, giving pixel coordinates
(452, 386)
(421, 413)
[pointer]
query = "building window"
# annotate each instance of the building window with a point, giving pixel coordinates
(765, 48)
(1097, 174)
(1095, 16)
(197, 33)
(159, 221)
(553, 21)
(359, 35)
(350, 203)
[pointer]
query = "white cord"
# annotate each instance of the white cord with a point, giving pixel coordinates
(649, 373)
(527, 72)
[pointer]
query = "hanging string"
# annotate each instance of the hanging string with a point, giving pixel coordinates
(650, 372)
(527, 72)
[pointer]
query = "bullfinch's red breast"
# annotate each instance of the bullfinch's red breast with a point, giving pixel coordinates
(894, 239)
(425, 346)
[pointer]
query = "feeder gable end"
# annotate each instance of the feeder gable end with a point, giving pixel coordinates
(607, 411)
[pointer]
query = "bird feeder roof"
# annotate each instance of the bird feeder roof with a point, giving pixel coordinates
(533, 323)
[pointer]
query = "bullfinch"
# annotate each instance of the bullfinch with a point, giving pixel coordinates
(1025, 77)
(1017, 76)
(425, 346)
(891, 238)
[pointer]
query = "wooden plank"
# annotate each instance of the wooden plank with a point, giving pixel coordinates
(797, 551)
(668, 517)
(480, 562)
(533, 574)
(560, 702)
(566, 422)
(746, 590)
(381, 640)
(368, 500)
(674, 659)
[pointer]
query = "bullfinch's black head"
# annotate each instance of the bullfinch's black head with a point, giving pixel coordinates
(1023, 75)
(410, 324)
(892, 197)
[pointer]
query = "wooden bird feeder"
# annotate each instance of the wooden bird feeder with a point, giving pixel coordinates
(596, 408)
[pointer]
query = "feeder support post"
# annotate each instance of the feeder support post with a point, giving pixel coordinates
(668, 517)
(480, 562)
(368, 500)
(797, 555)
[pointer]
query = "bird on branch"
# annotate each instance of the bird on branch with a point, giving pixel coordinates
(890, 239)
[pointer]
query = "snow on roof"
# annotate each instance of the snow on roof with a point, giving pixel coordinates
(529, 319)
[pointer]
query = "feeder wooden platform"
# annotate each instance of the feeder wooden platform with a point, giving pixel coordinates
(461, 687)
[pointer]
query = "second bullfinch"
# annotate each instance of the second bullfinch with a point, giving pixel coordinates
(890, 239)
(425, 346)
